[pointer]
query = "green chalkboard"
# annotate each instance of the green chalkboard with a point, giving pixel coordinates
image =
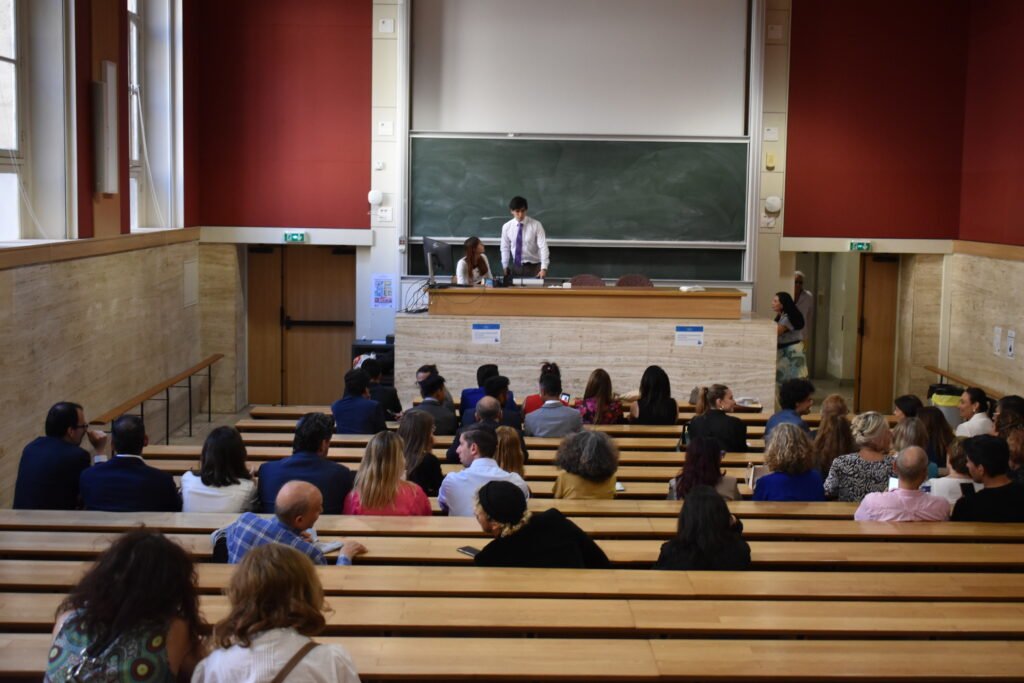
(581, 189)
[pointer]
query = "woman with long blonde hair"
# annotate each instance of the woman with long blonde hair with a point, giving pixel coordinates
(790, 459)
(833, 437)
(277, 603)
(509, 454)
(380, 486)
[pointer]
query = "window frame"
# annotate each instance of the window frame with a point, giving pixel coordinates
(15, 161)
(136, 165)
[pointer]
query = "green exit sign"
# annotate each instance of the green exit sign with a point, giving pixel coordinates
(295, 237)
(860, 246)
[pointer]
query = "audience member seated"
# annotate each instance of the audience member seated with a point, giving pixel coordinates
(509, 453)
(380, 487)
(906, 406)
(588, 461)
(833, 436)
(707, 536)
(277, 603)
(51, 465)
(1015, 442)
(855, 475)
(125, 483)
(134, 616)
(488, 411)
(599, 405)
(907, 503)
(356, 412)
(791, 463)
(957, 483)
(224, 483)
(525, 539)
(428, 370)
(433, 392)
(712, 419)
(703, 467)
(911, 431)
(534, 401)
(553, 418)
(988, 461)
(497, 387)
(476, 453)
(421, 465)
(386, 396)
(655, 405)
(974, 406)
(940, 434)
(308, 462)
(1009, 402)
(467, 402)
(796, 396)
(298, 506)
(1005, 421)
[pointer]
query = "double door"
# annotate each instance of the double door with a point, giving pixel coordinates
(301, 323)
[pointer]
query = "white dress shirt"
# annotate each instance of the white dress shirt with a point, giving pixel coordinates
(950, 487)
(462, 275)
(978, 424)
(267, 655)
(198, 497)
(535, 243)
(458, 489)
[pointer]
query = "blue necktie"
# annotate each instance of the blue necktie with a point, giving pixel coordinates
(519, 247)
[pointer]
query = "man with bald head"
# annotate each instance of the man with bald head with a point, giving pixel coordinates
(297, 507)
(488, 412)
(907, 503)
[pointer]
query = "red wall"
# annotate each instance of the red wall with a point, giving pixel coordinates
(876, 110)
(992, 199)
(278, 121)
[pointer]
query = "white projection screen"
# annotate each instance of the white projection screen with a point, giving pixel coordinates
(580, 67)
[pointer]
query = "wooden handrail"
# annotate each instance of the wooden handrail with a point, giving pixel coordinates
(120, 410)
(991, 393)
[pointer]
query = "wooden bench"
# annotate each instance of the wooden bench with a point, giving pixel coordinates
(629, 659)
(354, 454)
(621, 552)
(598, 527)
(139, 400)
(959, 379)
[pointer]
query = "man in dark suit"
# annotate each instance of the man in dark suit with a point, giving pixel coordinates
(511, 416)
(386, 396)
(125, 483)
(488, 412)
(51, 465)
(308, 463)
(485, 374)
(356, 412)
(432, 390)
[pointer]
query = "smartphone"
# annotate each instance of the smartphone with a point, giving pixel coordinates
(469, 550)
(565, 398)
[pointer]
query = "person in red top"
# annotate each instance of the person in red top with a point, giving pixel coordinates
(534, 401)
(380, 488)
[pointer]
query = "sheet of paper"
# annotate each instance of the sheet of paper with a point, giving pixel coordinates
(997, 340)
(690, 335)
(382, 292)
(486, 333)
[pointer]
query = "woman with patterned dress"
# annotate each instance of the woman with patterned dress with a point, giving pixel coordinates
(855, 475)
(133, 617)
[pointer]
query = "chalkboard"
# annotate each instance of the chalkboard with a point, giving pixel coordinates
(581, 189)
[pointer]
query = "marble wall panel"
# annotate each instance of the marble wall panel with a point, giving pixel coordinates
(96, 331)
(917, 334)
(740, 353)
(223, 322)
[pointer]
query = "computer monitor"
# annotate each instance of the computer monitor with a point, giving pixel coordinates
(438, 256)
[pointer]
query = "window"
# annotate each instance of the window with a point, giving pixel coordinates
(135, 123)
(10, 130)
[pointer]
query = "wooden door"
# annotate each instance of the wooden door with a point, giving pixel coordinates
(263, 306)
(876, 333)
(318, 319)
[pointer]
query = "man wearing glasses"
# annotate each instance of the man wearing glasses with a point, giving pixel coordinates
(50, 465)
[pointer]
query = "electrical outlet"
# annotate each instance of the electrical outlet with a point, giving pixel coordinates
(384, 214)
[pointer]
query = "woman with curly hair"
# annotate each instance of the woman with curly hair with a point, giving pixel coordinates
(525, 539)
(277, 603)
(703, 466)
(588, 461)
(833, 437)
(790, 460)
(133, 616)
(855, 475)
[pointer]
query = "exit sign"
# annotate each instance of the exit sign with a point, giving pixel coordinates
(295, 237)
(860, 246)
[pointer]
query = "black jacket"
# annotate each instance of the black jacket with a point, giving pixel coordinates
(549, 539)
(730, 431)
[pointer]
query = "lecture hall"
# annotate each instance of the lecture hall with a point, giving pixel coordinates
(511, 340)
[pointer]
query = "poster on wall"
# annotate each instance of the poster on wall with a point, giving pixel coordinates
(383, 291)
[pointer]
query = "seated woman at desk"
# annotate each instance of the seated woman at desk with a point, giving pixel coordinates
(473, 268)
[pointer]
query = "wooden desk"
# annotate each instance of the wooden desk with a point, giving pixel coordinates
(588, 302)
